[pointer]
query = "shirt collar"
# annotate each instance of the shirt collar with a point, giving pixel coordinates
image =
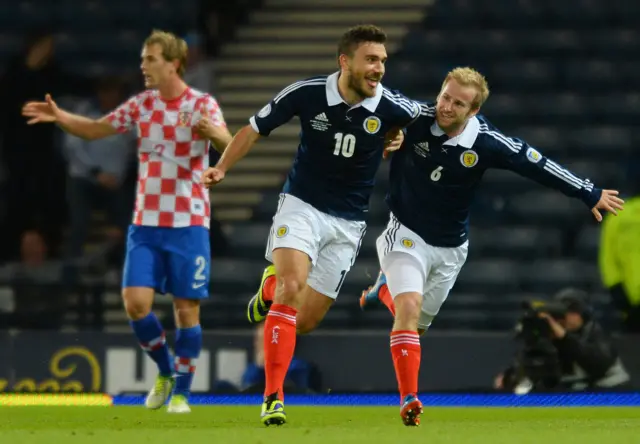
(334, 97)
(465, 139)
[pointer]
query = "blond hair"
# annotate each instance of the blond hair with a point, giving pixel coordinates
(470, 77)
(173, 48)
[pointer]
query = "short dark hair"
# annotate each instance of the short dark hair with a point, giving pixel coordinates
(360, 34)
(574, 300)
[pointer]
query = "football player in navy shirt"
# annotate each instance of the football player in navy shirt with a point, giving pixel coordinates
(433, 179)
(320, 221)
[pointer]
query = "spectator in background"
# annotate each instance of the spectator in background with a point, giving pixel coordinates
(572, 353)
(38, 298)
(619, 258)
(35, 181)
(97, 170)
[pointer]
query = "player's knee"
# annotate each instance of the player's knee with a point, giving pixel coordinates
(288, 289)
(136, 311)
(408, 306)
(137, 302)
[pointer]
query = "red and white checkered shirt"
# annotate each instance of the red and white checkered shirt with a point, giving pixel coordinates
(172, 156)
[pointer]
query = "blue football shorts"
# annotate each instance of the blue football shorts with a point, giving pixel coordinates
(169, 260)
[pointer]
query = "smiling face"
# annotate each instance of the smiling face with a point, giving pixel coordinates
(455, 105)
(365, 68)
(463, 92)
(361, 56)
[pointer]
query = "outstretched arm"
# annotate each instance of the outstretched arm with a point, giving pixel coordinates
(80, 126)
(276, 113)
(518, 156)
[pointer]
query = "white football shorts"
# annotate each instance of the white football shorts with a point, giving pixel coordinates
(412, 265)
(331, 243)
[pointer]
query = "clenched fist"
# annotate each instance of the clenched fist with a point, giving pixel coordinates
(212, 176)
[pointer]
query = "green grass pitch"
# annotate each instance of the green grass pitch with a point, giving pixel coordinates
(318, 425)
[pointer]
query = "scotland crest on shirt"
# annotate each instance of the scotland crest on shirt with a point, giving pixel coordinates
(372, 124)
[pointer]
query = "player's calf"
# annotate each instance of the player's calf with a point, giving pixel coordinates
(405, 344)
(313, 308)
(187, 350)
(152, 339)
(280, 324)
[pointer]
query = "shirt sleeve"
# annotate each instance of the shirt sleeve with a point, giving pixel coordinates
(408, 110)
(125, 116)
(280, 109)
(412, 116)
(211, 108)
(518, 156)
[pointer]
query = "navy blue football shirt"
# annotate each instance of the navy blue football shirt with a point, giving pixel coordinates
(433, 178)
(340, 146)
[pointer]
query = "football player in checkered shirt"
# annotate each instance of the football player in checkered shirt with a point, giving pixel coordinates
(433, 179)
(168, 240)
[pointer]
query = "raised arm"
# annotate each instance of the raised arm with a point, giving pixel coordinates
(80, 126)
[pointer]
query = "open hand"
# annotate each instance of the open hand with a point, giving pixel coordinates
(39, 112)
(610, 202)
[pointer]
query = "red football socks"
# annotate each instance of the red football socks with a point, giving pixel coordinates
(279, 345)
(405, 351)
(386, 299)
(269, 289)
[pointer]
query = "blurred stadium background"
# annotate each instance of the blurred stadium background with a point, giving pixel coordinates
(563, 76)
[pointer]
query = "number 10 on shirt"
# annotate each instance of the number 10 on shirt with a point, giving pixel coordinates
(345, 145)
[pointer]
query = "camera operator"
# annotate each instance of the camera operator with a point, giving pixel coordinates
(565, 349)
